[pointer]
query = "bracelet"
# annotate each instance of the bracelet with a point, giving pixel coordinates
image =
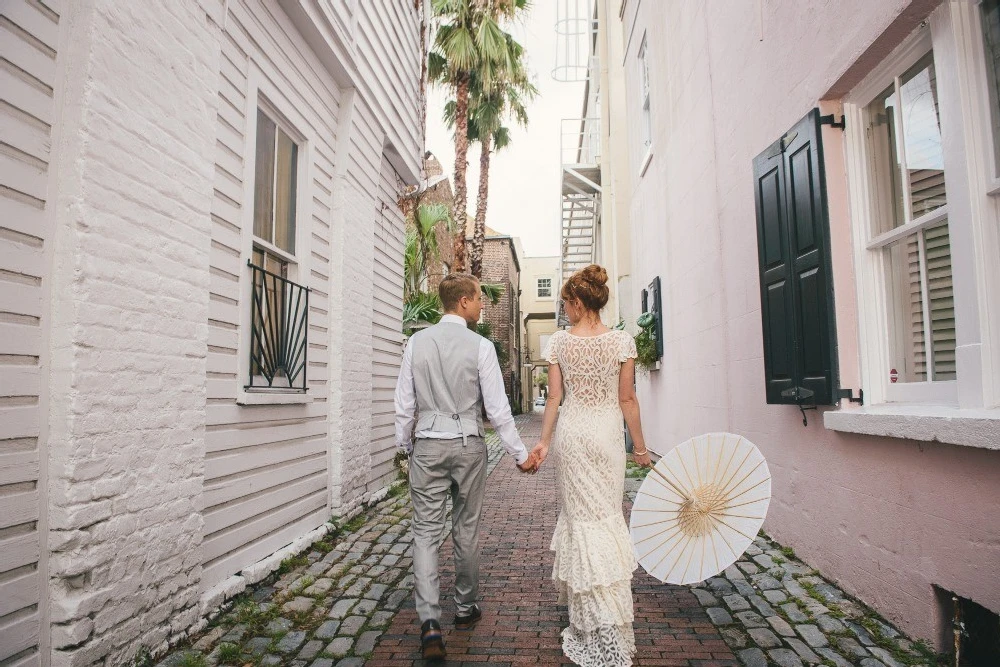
(642, 453)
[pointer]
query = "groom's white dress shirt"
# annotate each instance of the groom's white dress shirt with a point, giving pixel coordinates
(494, 400)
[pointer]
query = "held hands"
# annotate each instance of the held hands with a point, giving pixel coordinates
(530, 465)
(535, 458)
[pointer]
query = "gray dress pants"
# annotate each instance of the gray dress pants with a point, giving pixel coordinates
(439, 469)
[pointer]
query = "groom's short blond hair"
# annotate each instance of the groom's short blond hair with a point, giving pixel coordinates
(456, 285)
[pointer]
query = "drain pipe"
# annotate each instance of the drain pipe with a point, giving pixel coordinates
(958, 628)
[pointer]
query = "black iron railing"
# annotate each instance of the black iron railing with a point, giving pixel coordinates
(279, 313)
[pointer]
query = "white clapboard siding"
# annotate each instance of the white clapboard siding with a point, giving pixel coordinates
(29, 33)
(266, 478)
(387, 325)
(387, 39)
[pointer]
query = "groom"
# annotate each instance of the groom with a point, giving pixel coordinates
(448, 374)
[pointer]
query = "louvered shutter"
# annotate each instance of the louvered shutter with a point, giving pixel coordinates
(794, 262)
(656, 305)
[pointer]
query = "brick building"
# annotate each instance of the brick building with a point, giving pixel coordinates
(502, 266)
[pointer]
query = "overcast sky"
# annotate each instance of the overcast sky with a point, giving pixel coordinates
(524, 178)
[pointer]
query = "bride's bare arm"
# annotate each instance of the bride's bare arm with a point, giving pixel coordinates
(630, 410)
(541, 450)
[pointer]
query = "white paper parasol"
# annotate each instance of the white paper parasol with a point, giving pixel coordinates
(700, 507)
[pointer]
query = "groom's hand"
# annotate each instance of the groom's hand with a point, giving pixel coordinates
(529, 465)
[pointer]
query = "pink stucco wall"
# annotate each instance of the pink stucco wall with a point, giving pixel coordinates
(887, 518)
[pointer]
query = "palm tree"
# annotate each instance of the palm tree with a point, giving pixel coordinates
(419, 251)
(421, 247)
(468, 38)
(490, 107)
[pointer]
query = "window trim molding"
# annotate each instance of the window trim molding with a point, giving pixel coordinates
(953, 33)
(262, 94)
(644, 105)
(984, 188)
(940, 424)
(870, 281)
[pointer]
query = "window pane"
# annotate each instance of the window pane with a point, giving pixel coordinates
(263, 184)
(887, 192)
(285, 183)
(991, 38)
(937, 246)
(919, 265)
(271, 293)
(906, 311)
(922, 137)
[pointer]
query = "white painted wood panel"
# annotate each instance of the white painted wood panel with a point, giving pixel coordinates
(266, 465)
(28, 40)
(387, 310)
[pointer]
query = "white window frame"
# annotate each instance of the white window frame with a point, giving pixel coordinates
(263, 95)
(538, 289)
(644, 105)
(968, 414)
(976, 45)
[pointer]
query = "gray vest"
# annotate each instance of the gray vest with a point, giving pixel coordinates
(446, 378)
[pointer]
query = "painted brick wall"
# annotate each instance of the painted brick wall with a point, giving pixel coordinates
(129, 305)
(888, 518)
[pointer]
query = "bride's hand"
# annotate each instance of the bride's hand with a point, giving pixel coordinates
(540, 451)
(643, 459)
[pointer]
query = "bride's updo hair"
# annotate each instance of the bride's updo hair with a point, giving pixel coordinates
(589, 286)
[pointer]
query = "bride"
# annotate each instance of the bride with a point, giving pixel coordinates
(595, 366)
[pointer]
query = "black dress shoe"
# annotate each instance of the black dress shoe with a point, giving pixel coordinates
(466, 621)
(431, 640)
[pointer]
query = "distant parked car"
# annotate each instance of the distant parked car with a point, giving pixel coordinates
(540, 402)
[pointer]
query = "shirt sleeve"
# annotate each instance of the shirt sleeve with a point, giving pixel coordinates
(551, 353)
(628, 350)
(495, 402)
(405, 402)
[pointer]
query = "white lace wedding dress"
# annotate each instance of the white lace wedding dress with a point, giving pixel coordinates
(594, 559)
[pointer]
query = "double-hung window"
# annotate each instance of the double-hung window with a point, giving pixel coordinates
(645, 121)
(923, 158)
(279, 307)
(544, 288)
(909, 227)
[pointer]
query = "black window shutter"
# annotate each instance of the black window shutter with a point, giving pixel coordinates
(656, 306)
(796, 289)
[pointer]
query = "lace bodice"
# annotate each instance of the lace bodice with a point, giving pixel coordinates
(590, 365)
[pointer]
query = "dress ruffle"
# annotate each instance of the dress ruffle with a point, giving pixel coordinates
(599, 607)
(593, 574)
(610, 646)
(592, 554)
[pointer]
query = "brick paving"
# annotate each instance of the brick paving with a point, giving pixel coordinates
(521, 620)
(348, 601)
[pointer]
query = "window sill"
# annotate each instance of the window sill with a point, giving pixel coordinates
(272, 398)
(955, 426)
(645, 161)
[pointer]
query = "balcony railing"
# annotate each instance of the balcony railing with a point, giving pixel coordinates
(580, 141)
(279, 313)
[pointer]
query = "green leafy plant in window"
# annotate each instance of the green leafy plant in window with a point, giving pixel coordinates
(645, 342)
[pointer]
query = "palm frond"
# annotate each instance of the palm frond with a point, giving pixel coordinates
(421, 307)
(437, 65)
(459, 47)
(501, 138)
(492, 291)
